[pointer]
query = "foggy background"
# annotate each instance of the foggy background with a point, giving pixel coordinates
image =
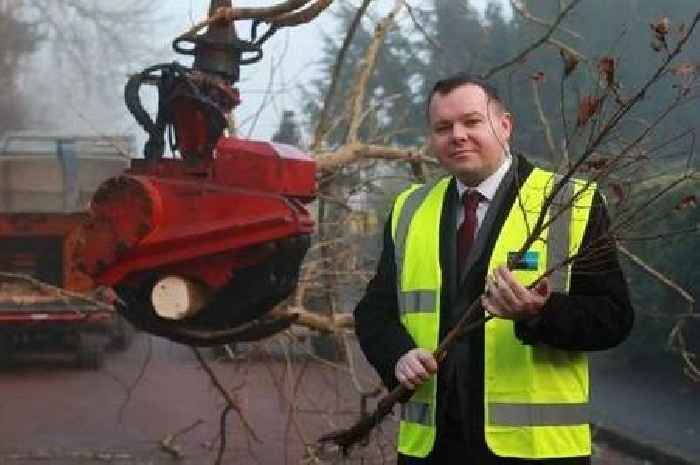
(73, 80)
(65, 64)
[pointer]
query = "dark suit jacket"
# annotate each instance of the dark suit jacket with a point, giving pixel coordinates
(596, 314)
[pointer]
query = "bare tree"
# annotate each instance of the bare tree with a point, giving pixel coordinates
(592, 146)
(87, 49)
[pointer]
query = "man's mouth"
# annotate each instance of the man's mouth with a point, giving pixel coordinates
(462, 153)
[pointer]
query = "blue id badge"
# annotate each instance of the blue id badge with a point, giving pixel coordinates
(528, 261)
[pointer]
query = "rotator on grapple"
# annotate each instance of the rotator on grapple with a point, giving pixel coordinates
(201, 245)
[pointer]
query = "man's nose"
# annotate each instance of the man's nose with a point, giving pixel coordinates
(459, 131)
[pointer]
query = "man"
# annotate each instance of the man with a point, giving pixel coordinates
(516, 390)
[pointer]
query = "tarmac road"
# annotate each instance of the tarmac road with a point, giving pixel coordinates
(54, 413)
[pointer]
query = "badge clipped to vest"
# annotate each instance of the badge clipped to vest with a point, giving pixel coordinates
(528, 261)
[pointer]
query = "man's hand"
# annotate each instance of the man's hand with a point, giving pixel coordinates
(507, 298)
(415, 367)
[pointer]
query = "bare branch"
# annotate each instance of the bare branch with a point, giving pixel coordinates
(321, 127)
(303, 16)
(369, 62)
(230, 402)
(281, 15)
(312, 320)
(656, 274)
(521, 8)
(535, 84)
(433, 43)
(330, 161)
(520, 56)
(53, 293)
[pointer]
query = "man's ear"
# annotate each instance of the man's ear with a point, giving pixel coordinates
(506, 123)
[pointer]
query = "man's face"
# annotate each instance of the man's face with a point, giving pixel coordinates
(468, 133)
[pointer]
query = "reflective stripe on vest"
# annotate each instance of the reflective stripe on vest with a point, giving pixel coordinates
(538, 414)
(422, 301)
(552, 422)
(558, 236)
(417, 412)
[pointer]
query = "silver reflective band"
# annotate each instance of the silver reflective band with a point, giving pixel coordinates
(559, 236)
(423, 301)
(538, 414)
(417, 412)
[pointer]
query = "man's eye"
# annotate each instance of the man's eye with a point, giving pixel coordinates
(441, 128)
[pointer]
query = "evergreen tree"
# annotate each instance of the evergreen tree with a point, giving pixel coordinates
(288, 131)
(391, 91)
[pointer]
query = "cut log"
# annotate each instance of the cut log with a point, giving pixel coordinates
(177, 298)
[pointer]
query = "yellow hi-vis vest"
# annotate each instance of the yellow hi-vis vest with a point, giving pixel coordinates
(536, 397)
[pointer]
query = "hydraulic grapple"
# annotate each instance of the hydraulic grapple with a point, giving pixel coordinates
(200, 245)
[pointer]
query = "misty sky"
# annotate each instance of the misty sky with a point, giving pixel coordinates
(60, 103)
(298, 48)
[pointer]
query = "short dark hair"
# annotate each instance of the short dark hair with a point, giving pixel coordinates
(447, 85)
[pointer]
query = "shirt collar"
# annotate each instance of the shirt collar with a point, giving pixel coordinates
(489, 186)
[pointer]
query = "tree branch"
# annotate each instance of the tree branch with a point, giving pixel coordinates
(520, 56)
(321, 127)
(359, 90)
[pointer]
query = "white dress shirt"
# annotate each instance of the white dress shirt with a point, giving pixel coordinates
(487, 188)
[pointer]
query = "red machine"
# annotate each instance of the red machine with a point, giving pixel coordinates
(225, 213)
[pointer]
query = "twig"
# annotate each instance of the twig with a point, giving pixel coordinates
(316, 321)
(222, 434)
(60, 293)
(521, 8)
(224, 393)
(168, 442)
(543, 119)
(534, 45)
(321, 127)
(329, 162)
(656, 274)
(345, 439)
(370, 59)
(129, 390)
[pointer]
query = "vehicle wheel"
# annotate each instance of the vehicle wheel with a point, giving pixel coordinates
(90, 352)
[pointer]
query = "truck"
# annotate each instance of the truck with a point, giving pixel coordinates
(46, 183)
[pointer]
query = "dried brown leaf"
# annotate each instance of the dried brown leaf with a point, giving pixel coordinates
(619, 192)
(661, 27)
(596, 164)
(606, 69)
(538, 77)
(689, 201)
(588, 106)
(684, 69)
(571, 61)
